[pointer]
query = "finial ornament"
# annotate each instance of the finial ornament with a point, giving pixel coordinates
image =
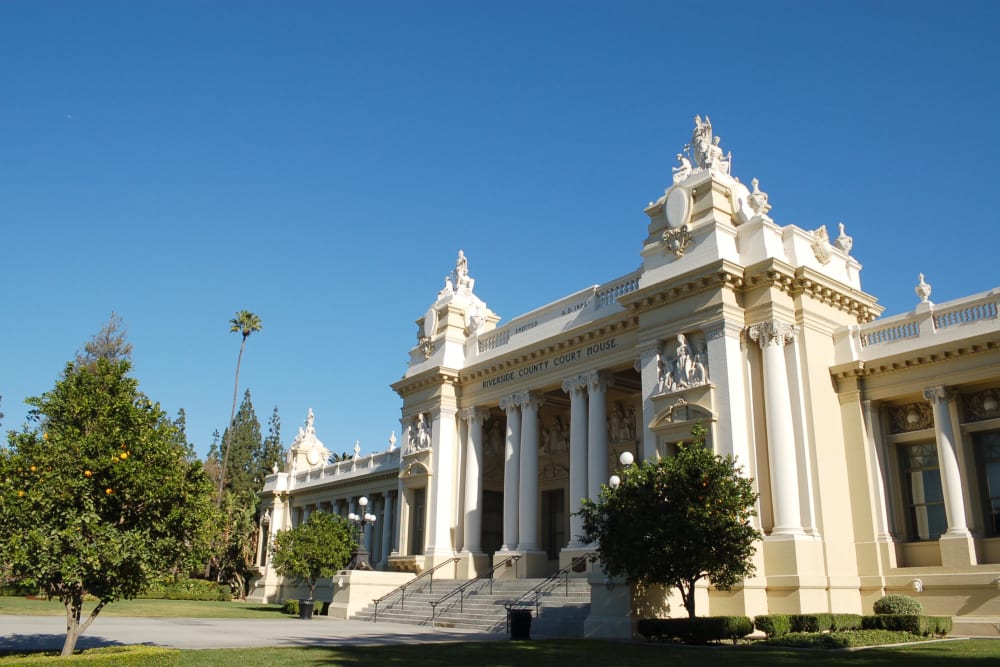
(758, 201)
(923, 290)
(821, 245)
(844, 242)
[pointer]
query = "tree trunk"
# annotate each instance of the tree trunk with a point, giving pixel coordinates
(687, 594)
(228, 436)
(72, 630)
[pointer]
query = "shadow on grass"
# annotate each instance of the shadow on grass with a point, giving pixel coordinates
(578, 653)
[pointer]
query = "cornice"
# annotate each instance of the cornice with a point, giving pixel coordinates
(804, 281)
(721, 274)
(430, 378)
(619, 324)
(912, 360)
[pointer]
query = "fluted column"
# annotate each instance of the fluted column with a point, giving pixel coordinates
(576, 388)
(951, 476)
(387, 530)
(597, 433)
(773, 336)
(473, 527)
(527, 506)
(442, 511)
(649, 371)
(511, 470)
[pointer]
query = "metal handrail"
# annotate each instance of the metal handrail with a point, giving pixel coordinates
(461, 589)
(536, 591)
(402, 589)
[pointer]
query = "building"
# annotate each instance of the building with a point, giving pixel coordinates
(874, 443)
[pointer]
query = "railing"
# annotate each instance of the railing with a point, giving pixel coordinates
(493, 341)
(546, 585)
(402, 589)
(607, 294)
(461, 589)
(890, 333)
(966, 314)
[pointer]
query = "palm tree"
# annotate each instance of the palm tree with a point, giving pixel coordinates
(245, 323)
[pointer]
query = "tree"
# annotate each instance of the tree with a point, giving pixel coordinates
(675, 521)
(246, 443)
(272, 455)
(315, 549)
(97, 497)
(110, 343)
(245, 323)
(238, 540)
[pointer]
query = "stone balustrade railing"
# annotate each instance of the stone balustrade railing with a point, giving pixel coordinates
(341, 470)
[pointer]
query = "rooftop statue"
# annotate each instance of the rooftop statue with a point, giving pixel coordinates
(707, 149)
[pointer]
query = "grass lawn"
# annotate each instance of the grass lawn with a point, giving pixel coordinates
(582, 653)
(150, 608)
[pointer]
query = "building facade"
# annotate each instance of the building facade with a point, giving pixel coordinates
(874, 444)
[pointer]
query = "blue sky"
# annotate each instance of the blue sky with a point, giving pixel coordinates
(321, 163)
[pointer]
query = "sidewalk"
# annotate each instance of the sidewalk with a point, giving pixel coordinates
(48, 633)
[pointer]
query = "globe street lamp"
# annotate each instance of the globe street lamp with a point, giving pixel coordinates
(626, 460)
(359, 557)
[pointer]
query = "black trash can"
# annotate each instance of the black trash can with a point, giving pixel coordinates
(520, 623)
(306, 609)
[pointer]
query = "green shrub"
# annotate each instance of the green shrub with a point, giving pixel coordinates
(188, 589)
(898, 604)
(292, 607)
(108, 656)
(811, 622)
(846, 622)
(835, 640)
(918, 625)
(773, 625)
(695, 630)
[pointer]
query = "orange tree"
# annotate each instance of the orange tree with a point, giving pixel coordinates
(675, 521)
(315, 549)
(96, 495)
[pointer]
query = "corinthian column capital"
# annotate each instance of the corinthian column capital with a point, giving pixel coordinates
(935, 395)
(475, 415)
(772, 332)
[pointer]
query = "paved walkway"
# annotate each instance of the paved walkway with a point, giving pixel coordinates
(47, 633)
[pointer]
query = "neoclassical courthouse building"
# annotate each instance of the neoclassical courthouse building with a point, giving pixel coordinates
(874, 443)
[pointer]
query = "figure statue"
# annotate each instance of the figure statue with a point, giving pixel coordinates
(463, 283)
(630, 424)
(682, 170)
(758, 201)
(678, 374)
(422, 436)
(310, 418)
(494, 443)
(701, 140)
(448, 288)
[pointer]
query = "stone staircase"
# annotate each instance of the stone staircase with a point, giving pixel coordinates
(561, 610)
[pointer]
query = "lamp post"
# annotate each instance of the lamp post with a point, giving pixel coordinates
(359, 557)
(626, 460)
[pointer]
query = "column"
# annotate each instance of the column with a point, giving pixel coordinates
(511, 470)
(772, 337)
(951, 476)
(527, 506)
(649, 371)
(473, 527)
(576, 388)
(597, 433)
(398, 532)
(387, 531)
(727, 365)
(442, 511)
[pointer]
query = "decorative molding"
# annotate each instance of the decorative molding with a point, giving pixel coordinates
(687, 367)
(598, 381)
(576, 383)
(938, 394)
(910, 417)
(981, 405)
(772, 332)
(475, 414)
(677, 240)
(821, 245)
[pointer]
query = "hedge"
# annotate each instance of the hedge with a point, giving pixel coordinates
(773, 625)
(290, 607)
(188, 589)
(823, 622)
(912, 623)
(698, 630)
(835, 640)
(107, 656)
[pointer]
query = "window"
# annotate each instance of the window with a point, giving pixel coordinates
(418, 509)
(925, 514)
(987, 445)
